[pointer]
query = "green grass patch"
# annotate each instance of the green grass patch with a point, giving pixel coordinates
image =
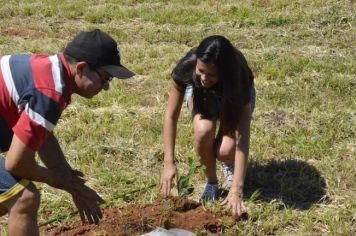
(301, 174)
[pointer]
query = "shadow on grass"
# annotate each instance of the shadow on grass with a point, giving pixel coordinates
(296, 183)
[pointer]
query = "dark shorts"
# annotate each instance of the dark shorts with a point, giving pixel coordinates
(215, 104)
(10, 185)
(6, 136)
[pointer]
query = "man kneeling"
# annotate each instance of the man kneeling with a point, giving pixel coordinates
(34, 90)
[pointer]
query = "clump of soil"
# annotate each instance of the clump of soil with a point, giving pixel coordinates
(135, 220)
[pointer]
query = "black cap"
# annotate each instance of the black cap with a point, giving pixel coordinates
(100, 50)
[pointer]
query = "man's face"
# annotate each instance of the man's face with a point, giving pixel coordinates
(89, 81)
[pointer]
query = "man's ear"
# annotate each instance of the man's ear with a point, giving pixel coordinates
(80, 66)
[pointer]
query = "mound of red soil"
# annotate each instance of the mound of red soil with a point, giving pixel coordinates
(135, 220)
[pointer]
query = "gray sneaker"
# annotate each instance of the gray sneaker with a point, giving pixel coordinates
(228, 174)
(209, 193)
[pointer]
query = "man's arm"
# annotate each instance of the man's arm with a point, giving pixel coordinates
(51, 154)
(86, 199)
(20, 161)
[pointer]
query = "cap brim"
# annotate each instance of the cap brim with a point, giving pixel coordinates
(119, 72)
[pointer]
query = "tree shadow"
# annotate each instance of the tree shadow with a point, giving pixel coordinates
(296, 183)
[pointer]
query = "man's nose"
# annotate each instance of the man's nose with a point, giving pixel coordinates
(106, 86)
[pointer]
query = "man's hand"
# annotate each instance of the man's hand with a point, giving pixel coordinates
(62, 176)
(169, 173)
(234, 202)
(87, 202)
(66, 179)
(86, 199)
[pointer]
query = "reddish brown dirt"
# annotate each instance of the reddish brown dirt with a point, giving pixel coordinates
(135, 220)
(22, 32)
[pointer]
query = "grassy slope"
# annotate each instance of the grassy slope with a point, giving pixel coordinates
(303, 134)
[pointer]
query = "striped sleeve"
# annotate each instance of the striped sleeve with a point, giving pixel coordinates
(43, 103)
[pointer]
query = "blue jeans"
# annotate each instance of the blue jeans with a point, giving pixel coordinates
(9, 185)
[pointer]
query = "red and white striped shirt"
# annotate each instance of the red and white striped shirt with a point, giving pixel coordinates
(34, 90)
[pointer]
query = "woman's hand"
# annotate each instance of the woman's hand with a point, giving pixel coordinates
(234, 202)
(169, 173)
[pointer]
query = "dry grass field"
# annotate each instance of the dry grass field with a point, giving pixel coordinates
(301, 176)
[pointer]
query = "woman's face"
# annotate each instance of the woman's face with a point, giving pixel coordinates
(206, 74)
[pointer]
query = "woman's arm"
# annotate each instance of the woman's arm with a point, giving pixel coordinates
(242, 150)
(234, 200)
(174, 105)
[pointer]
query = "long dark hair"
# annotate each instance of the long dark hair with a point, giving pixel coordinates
(182, 73)
(235, 77)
